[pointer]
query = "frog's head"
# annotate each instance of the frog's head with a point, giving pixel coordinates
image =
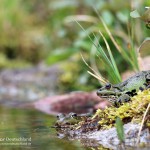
(73, 115)
(60, 116)
(108, 91)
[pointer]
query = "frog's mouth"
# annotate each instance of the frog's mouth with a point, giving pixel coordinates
(105, 95)
(109, 96)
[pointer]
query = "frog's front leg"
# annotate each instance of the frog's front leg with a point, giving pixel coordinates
(122, 99)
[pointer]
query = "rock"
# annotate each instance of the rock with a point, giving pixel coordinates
(108, 138)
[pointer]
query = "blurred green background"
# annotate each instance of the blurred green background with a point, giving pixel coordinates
(45, 31)
(35, 32)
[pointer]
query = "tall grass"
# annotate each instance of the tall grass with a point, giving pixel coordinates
(106, 54)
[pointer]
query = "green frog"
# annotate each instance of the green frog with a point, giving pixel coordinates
(122, 92)
(67, 119)
(70, 119)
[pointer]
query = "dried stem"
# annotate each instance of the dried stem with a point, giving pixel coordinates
(138, 138)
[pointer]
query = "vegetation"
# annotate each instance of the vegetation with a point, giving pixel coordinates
(128, 112)
(93, 35)
(35, 31)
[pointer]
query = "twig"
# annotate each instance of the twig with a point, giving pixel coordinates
(138, 138)
(96, 74)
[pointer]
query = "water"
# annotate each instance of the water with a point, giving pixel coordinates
(30, 129)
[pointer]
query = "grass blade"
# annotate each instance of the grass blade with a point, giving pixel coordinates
(120, 130)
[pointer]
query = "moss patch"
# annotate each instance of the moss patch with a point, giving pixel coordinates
(132, 111)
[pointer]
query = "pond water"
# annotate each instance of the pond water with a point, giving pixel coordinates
(27, 128)
(30, 129)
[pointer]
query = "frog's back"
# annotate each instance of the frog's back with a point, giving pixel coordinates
(135, 82)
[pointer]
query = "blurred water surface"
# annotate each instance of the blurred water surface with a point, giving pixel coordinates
(28, 129)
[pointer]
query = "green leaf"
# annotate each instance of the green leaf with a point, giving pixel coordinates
(59, 55)
(108, 17)
(135, 14)
(146, 16)
(80, 43)
(120, 130)
(145, 46)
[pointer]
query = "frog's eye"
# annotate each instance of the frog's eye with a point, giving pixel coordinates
(74, 115)
(60, 116)
(108, 86)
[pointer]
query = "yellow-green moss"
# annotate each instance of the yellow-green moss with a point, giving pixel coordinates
(131, 111)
